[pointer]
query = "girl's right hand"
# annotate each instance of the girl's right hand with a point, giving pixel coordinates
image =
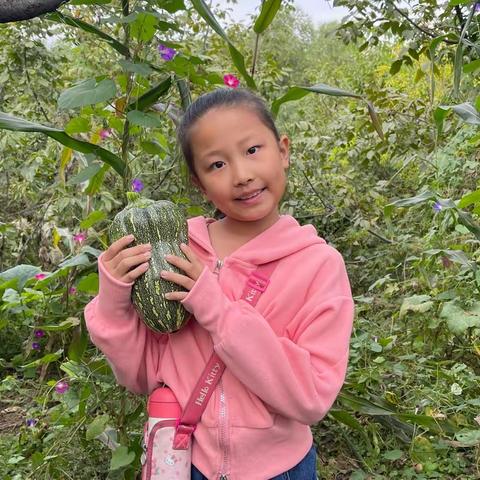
(126, 264)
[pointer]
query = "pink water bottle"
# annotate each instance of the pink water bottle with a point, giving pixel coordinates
(162, 405)
(161, 461)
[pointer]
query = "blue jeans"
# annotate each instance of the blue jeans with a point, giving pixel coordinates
(305, 470)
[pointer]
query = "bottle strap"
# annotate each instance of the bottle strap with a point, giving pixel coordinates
(256, 284)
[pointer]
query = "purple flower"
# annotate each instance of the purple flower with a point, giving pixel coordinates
(61, 387)
(166, 53)
(231, 81)
(39, 333)
(105, 133)
(36, 346)
(137, 185)
(40, 276)
(72, 290)
(31, 422)
(437, 207)
(79, 237)
(477, 7)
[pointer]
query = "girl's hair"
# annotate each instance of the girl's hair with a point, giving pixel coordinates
(220, 98)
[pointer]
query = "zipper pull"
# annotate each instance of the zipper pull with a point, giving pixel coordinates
(218, 266)
(223, 477)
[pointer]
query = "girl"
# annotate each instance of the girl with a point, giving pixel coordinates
(286, 358)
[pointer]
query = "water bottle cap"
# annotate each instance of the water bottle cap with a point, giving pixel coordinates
(162, 403)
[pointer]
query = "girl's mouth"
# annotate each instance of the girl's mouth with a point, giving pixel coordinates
(252, 198)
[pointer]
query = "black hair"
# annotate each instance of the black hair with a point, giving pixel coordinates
(220, 98)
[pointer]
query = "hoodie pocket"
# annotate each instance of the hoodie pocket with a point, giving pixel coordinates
(244, 408)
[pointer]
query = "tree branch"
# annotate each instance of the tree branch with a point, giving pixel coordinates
(418, 27)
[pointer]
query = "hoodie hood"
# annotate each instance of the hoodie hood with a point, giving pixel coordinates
(285, 237)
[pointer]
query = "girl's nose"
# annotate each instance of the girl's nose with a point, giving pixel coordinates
(241, 174)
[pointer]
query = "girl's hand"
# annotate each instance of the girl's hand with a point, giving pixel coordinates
(193, 267)
(126, 264)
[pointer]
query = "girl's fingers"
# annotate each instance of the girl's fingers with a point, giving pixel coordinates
(123, 265)
(179, 262)
(177, 278)
(116, 247)
(132, 275)
(178, 296)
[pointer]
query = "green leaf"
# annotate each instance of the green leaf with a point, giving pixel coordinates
(347, 419)
(121, 457)
(267, 14)
(408, 202)
(97, 427)
(9, 122)
(395, 67)
(93, 218)
(136, 117)
(152, 148)
(85, 174)
(238, 60)
(472, 66)
(86, 27)
(469, 199)
(172, 6)
(88, 284)
(78, 345)
(416, 303)
(78, 260)
(140, 68)
(439, 115)
(393, 455)
(460, 319)
(21, 273)
(296, 93)
(143, 28)
(367, 407)
(67, 324)
(97, 180)
(149, 98)
(88, 92)
(78, 125)
(46, 359)
(467, 112)
(453, 3)
(468, 438)
(456, 256)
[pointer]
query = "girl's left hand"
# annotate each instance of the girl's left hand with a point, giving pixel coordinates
(193, 267)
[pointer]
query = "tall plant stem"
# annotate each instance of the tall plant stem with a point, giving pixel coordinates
(128, 92)
(255, 53)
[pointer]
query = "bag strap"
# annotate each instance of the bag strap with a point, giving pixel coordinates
(256, 284)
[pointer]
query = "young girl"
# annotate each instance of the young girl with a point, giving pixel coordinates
(286, 357)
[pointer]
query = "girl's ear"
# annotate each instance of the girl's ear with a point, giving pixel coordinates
(284, 145)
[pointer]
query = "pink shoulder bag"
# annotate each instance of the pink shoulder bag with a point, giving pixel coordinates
(168, 433)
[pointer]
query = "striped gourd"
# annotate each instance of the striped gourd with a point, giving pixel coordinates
(164, 226)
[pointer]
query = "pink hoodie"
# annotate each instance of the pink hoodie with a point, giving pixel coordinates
(286, 358)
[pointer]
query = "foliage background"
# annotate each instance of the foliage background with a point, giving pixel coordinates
(402, 209)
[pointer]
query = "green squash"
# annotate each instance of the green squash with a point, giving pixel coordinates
(164, 226)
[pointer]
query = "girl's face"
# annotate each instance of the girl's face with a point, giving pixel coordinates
(236, 154)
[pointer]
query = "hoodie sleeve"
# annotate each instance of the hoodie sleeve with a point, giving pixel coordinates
(133, 351)
(300, 374)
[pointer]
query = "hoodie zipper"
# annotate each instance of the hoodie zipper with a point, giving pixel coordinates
(223, 411)
(224, 448)
(218, 266)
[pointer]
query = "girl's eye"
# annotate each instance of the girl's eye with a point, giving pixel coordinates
(215, 163)
(253, 150)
